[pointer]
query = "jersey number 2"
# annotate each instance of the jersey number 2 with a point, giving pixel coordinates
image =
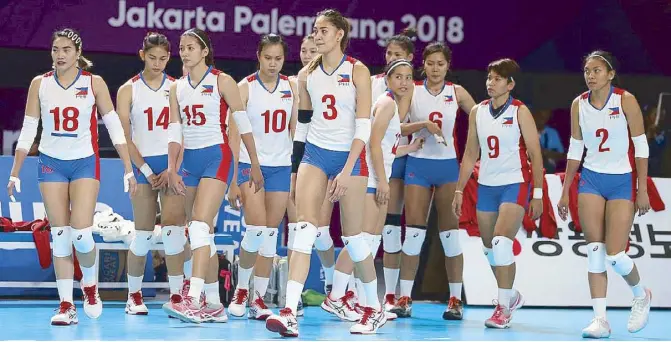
(493, 144)
(603, 134)
(194, 116)
(331, 112)
(70, 115)
(279, 120)
(163, 118)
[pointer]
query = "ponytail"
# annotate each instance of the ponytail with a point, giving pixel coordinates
(84, 63)
(314, 63)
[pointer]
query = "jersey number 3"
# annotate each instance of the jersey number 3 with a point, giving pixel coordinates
(331, 113)
(603, 134)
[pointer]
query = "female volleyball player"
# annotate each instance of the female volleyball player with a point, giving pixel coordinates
(337, 88)
(502, 131)
(144, 110)
(433, 172)
(272, 108)
(199, 104)
(613, 185)
(68, 100)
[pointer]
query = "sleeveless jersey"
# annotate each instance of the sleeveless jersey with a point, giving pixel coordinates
(503, 155)
(150, 115)
(269, 111)
(203, 111)
(389, 141)
(441, 109)
(333, 99)
(379, 85)
(69, 117)
(606, 135)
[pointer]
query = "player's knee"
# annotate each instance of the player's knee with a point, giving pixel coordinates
(213, 246)
(141, 243)
(253, 238)
(414, 240)
(199, 234)
(374, 242)
(391, 239)
(306, 235)
(596, 257)
(324, 241)
(173, 239)
(61, 241)
(621, 263)
(82, 239)
(489, 254)
(451, 244)
(291, 231)
(268, 248)
(357, 247)
(503, 251)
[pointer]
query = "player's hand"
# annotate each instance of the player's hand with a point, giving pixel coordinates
(129, 183)
(160, 181)
(14, 183)
(339, 187)
(382, 193)
(457, 201)
(642, 202)
(535, 208)
(256, 178)
(433, 128)
(234, 196)
(416, 144)
(562, 207)
(176, 183)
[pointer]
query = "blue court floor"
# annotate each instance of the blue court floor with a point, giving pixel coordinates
(29, 320)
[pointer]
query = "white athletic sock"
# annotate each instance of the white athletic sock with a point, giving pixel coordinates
(188, 268)
(339, 284)
(372, 299)
(406, 287)
(294, 291)
(361, 291)
(134, 283)
(455, 290)
(328, 274)
(243, 277)
(65, 289)
(639, 290)
(89, 275)
(599, 306)
(212, 293)
(351, 285)
(261, 285)
(504, 297)
(196, 287)
(176, 283)
(391, 279)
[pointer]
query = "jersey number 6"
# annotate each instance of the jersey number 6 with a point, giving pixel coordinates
(332, 112)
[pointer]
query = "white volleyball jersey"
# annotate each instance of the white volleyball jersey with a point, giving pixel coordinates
(503, 155)
(441, 109)
(379, 85)
(333, 99)
(269, 111)
(150, 115)
(69, 117)
(606, 135)
(203, 111)
(390, 142)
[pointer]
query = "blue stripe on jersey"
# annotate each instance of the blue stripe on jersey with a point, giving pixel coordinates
(66, 135)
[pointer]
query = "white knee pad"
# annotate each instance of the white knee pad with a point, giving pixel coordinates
(61, 241)
(253, 238)
(141, 243)
(324, 240)
(374, 242)
(391, 239)
(489, 254)
(356, 247)
(199, 234)
(213, 246)
(268, 248)
(621, 262)
(503, 251)
(173, 239)
(83, 240)
(414, 239)
(306, 235)
(596, 257)
(451, 243)
(291, 231)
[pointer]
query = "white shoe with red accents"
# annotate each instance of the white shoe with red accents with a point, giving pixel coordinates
(344, 307)
(135, 304)
(93, 305)
(285, 323)
(66, 314)
(371, 320)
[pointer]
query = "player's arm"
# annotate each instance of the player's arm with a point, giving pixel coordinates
(294, 109)
(234, 134)
(361, 79)
(641, 150)
(231, 94)
(465, 100)
(384, 112)
(576, 148)
(123, 104)
(303, 118)
(471, 152)
(112, 122)
(533, 144)
(28, 132)
(175, 138)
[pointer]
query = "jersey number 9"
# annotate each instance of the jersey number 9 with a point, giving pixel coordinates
(493, 145)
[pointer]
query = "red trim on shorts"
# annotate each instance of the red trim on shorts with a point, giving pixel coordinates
(94, 139)
(523, 195)
(223, 113)
(525, 168)
(224, 169)
(363, 170)
(632, 163)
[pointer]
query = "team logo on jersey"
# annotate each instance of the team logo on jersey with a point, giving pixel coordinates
(166, 93)
(449, 98)
(286, 94)
(343, 79)
(508, 120)
(207, 90)
(614, 112)
(82, 92)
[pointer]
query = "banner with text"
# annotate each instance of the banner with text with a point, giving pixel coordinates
(553, 272)
(234, 26)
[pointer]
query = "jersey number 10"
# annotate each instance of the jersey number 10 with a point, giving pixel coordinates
(278, 118)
